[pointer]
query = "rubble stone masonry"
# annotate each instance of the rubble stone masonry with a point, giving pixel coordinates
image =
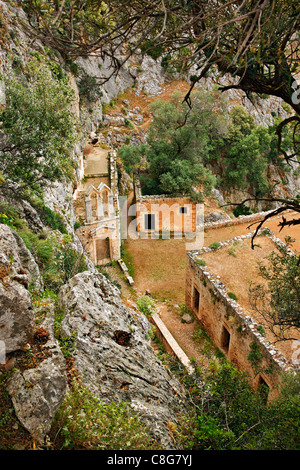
(229, 327)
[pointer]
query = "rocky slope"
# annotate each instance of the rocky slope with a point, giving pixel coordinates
(112, 349)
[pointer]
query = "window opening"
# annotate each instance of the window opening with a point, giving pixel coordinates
(225, 339)
(196, 299)
(149, 221)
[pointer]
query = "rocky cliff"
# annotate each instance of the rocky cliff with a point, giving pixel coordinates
(114, 358)
(111, 347)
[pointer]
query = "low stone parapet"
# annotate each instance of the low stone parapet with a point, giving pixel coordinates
(170, 343)
(226, 322)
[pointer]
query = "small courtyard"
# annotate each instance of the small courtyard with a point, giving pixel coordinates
(158, 267)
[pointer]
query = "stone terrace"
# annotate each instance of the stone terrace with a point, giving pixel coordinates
(231, 324)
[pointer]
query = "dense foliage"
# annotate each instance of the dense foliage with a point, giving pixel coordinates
(213, 147)
(146, 305)
(85, 422)
(39, 127)
(228, 415)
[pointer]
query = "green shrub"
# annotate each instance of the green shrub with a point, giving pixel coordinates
(241, 210)
(84, 422)
(10, 215)
(200, 262)
(149, 47)
(52, 219)
(89, 88)
(128, 123)
(229, 415)
(232, 295)
(39, 125)
(45, 250)
(261, 330)
(146, 305)
(72, 263)
(56, 258)
(203, 432)
(4, 219)
(214, 245)
(30, 239)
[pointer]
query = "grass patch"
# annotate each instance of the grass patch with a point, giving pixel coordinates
(127, 258)
(146, 305)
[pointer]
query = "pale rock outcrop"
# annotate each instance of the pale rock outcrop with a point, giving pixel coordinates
(113, 356)
(151, 78)
(38, 391)
(18, 270)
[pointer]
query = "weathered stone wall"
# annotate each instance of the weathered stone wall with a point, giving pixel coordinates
(237, 220)
(90, 234)
(230, 328)
(167, 214)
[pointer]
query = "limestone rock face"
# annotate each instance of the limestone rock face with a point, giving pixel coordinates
(38, 391)
(151, 78)
(113, 355)
(17, 258)
(18, 270)
(16, 316)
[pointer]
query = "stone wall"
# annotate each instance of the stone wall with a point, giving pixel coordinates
(169, 342)
(172, 214)
(231, 328)
(238, 220)
(93, 234)
(168, 214)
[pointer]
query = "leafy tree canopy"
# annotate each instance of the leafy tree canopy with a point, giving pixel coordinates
(228, 415)
(214, 146)
(39, 129)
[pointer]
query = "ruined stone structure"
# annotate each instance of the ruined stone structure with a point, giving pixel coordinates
(163, 214)
(229, 326)
(102, 223)
(100, 233)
